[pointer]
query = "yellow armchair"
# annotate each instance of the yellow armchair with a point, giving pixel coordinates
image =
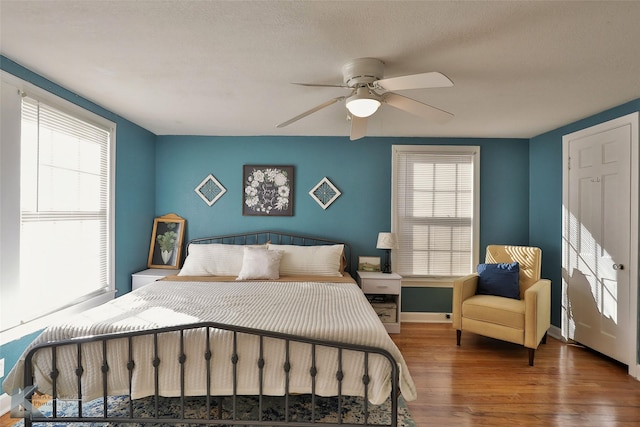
(524, 321)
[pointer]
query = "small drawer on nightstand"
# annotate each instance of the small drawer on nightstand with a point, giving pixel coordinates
(380, 286)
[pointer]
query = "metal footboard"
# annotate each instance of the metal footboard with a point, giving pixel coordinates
(211, 406)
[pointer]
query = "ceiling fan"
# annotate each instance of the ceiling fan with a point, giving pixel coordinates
(364, 78)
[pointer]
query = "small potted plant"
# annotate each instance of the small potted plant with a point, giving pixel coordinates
(167, 242)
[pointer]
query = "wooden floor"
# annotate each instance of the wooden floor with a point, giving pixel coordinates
(486, 382)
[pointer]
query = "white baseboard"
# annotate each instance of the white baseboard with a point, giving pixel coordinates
(419, 317)
(556, 332)
(5, 403)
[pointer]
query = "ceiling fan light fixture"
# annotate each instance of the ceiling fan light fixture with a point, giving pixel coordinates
(363, 103)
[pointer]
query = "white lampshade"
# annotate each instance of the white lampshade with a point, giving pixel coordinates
(387, 241)
(362, 103)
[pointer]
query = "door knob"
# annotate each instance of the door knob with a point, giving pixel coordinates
(618, 267)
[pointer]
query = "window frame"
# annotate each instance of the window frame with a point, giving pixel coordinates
(474, 151)
(10, 216)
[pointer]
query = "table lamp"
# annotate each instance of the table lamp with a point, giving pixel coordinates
(387, 241)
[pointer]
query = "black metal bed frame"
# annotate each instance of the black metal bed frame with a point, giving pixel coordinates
(215, 417)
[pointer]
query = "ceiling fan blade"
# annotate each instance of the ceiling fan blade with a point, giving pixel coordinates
(417, 108)
(358, 127)
(414, 81)
(311, 111)
(319, 85)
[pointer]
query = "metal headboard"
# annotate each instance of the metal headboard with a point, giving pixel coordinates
(277, 238)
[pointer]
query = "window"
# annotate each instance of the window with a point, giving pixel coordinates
(435, 206)
(65, 211)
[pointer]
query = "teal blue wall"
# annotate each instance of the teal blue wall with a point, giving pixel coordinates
(545, 225)
(12, 351)
(362, 172)
(135, 201)
(135, 191)
(431, 300)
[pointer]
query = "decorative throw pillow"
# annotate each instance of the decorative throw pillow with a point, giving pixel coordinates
(214, 259)
(502, 280)
(260, 264)
(323, 260)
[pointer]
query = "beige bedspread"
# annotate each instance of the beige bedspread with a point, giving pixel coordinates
(329, 310)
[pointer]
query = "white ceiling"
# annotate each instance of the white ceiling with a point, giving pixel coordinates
(520, 68)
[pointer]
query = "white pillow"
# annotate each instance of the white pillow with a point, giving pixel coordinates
(323, 260)
(213, 259)
(260, 264)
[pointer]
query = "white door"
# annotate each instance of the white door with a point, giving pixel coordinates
(600, 239)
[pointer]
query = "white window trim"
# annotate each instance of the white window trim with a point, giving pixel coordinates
(435, 281)
(11, 210)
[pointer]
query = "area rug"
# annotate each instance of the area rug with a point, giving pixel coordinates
(246, 410)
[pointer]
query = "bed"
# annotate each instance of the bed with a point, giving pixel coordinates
(257, 315)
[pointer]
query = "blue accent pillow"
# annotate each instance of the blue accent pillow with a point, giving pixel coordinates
(502, 280)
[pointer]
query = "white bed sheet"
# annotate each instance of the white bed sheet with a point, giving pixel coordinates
(322, 310)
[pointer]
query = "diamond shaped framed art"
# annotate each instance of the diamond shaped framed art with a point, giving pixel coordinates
(324, 193)
(210, 190)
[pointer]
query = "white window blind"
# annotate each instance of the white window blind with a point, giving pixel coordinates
(64, 238)
(435, 210)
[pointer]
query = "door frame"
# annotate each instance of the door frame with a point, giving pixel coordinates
(633, 121)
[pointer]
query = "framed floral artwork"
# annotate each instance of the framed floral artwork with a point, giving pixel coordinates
(166, 242)
(267, 190)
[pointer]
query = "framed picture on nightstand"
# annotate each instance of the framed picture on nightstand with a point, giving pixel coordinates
(369, 263)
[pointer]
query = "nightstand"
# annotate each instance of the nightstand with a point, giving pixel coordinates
(384, 292)
(150, 275)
